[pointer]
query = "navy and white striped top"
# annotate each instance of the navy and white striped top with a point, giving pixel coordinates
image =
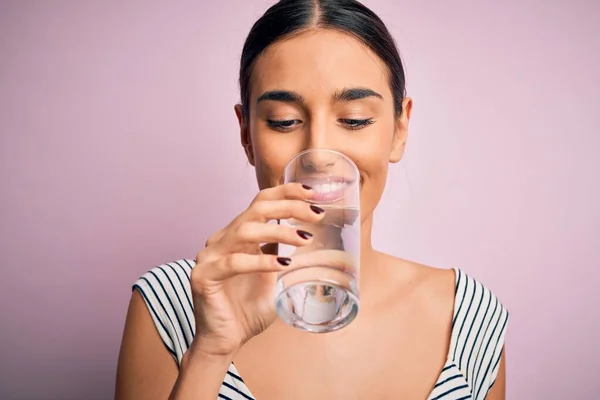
(476, 345)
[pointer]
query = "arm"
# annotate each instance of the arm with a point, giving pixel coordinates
(498, 390)
(146, 369)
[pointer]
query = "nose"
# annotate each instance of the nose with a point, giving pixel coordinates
(318, 161)
(319, 137)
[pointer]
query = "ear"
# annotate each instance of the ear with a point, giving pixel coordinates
(401, 133)
(245, 134)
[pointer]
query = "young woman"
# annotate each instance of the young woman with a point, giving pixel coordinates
(314, 74)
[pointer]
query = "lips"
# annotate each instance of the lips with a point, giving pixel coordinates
(329, 188)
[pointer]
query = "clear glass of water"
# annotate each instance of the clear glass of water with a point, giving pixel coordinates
(319, 290)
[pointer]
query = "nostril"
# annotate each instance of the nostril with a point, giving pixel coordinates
(317, 164)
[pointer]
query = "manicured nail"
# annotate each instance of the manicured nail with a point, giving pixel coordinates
(284, 261)
(306, 187)
(317, 210)
(304, 235)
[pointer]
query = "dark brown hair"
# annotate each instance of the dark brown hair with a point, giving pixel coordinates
(288, 17)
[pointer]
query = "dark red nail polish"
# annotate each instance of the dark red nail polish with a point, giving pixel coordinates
(316, 209)
(306, 187)
(284, 261)
(304, 235)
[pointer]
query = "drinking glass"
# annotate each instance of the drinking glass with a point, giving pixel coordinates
(318, 292)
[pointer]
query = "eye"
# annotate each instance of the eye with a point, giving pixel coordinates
(283, 125)
(357, 123)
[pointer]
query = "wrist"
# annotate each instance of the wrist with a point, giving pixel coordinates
(201, 374)
(207, 355)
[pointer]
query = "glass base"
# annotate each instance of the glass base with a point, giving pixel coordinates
(317, 306)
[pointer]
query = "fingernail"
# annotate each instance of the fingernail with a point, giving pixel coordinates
(306, 187)
(304, 235)
(316, 209)
(284, 261)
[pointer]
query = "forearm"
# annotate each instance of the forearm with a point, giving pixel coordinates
(200, 376)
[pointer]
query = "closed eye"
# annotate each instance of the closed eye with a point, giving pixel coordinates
(357, 123)
(283, 125)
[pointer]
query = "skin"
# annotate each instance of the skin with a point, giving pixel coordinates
(403, 328)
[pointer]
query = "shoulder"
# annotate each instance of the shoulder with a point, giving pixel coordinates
(478, 332)
(478, 328)
(166, 285)
(435, 289)
(475, 304)
(470, 300)
(167, 294)
(169, 277)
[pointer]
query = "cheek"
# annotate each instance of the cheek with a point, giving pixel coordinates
(269, 170)
(373, 159)
(271, 158)
(373, 169)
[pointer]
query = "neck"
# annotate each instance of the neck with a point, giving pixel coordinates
(366, 248)
(368, 256)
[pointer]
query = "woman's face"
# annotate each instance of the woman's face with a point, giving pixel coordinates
(323, 89)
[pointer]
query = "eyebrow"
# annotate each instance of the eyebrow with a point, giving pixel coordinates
(349, 94)
(346, 94)
(285, 96)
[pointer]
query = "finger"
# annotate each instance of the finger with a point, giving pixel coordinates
(215, 238)
(241, 263)
(290, 191)
(285, 209)
(258, 232)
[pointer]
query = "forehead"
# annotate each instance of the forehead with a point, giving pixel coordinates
(319, 62)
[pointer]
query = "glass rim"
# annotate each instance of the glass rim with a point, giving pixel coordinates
(353, 165)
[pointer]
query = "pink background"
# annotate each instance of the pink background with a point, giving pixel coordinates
(119, 150)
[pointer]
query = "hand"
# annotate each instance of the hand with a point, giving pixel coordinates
(234, 279)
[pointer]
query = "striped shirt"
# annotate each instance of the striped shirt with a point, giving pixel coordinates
(476, 344)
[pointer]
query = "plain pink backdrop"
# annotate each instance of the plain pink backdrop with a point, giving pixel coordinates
(119, 150)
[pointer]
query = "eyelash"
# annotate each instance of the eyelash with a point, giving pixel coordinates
(355, 124)
(282, 125)
(288, 124)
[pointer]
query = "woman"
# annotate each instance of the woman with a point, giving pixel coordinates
(421, 332)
